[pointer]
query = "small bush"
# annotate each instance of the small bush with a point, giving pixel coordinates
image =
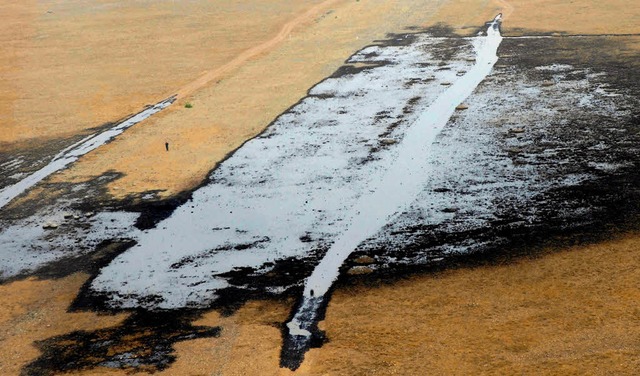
(188, 105)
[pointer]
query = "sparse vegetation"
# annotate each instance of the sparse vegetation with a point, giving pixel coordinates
(188, 105)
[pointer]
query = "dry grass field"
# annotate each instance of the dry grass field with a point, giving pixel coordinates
(68, 66)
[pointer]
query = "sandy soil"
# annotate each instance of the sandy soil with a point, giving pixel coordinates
(72, 65)
(567, 312)
(572, 17)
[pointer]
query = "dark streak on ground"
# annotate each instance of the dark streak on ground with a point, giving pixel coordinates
(89, 263)
(348, 69)
(293, 351)
(38, 153)
(90, 196)
(143, 342)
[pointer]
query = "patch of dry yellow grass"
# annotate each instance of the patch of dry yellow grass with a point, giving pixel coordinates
(572, 312)
(69, 65)
(574, 17)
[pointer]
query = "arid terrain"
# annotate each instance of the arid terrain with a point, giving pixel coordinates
(558, 296)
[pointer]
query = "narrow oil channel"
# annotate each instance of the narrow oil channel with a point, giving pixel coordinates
(75, 151)
(397, 189)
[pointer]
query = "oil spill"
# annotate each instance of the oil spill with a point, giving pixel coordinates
(400, 184)
(30, 156)
(144, 343)
(569, 210)
(600, 146)
(589, 159)
(197, 228)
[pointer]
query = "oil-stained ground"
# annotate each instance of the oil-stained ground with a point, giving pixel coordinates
(571, 311)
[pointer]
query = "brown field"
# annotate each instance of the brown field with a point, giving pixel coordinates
(90, 62)
(73, 65)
